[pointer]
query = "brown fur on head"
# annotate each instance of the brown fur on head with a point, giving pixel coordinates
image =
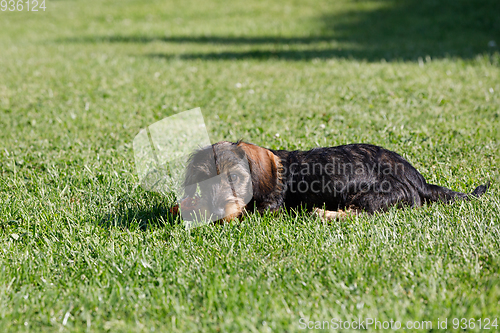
(229, 176)
(265, 168)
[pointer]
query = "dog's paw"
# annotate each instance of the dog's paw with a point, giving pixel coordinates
(329, 214)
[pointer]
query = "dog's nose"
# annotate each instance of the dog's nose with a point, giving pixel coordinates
(219, 211)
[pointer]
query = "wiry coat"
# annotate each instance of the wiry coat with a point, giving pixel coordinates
(356, 177)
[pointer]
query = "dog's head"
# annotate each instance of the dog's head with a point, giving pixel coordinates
(228, 176)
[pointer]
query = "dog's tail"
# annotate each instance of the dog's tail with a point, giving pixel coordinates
(434, 193)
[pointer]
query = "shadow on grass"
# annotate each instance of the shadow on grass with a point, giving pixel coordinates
(291, 55)
(408, 29)
(395, 29)
(134, 215)
(243, 40)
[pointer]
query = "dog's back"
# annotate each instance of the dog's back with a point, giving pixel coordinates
(360, 176)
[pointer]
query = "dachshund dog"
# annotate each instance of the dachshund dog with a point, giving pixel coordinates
(330, 182)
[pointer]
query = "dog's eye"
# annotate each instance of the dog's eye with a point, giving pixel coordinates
(233, 177)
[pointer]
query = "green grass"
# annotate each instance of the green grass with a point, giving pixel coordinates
(83, 248)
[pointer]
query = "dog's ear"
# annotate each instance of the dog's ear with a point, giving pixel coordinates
(190, 178)
(264, 169)
(200, 166)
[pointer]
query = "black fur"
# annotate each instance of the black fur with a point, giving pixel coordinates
(358, 177)
(361, 176)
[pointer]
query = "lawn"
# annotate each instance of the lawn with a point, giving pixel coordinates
(83, 248)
